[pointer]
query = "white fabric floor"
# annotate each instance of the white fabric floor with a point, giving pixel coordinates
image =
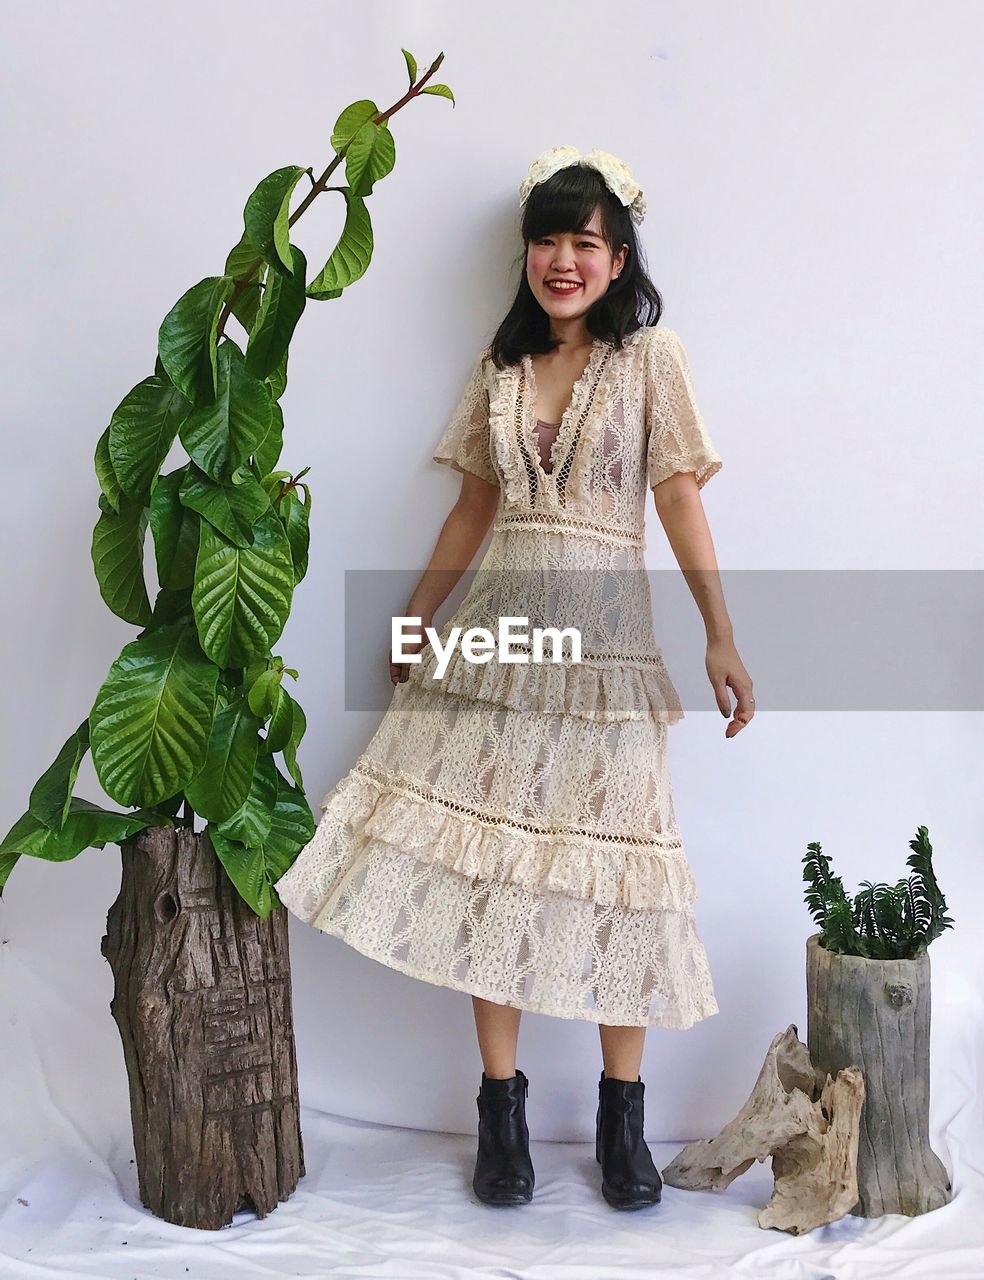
(381, 1202)
(385, 1203)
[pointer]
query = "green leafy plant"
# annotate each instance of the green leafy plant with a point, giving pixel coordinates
(194, 712)
(884, 922)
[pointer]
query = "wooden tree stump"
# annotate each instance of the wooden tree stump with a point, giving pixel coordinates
(203, 1005)
(875, 1014)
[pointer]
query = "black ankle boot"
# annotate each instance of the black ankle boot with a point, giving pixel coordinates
(503, 1169)
(629, 1179)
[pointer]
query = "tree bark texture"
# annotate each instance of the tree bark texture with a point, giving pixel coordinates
(203, 1006)
(875, 1014)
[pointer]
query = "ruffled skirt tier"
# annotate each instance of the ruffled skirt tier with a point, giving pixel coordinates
(531, 859)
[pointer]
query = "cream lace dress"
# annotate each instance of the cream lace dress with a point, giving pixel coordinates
(509, 829)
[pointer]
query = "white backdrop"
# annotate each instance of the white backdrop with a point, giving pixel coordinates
(814, 216)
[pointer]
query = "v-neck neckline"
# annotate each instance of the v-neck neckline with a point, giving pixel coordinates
(566, 433)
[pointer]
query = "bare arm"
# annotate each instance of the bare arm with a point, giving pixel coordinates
(681, 513)
(461, 535)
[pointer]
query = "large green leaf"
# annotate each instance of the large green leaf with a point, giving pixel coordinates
(187, 338)
(277, 381)
(292, 824)
(255, 868)
(169, 807)
(245, 262)
(86, 826)
(52, 793)
(273, 482)
(171, 606)
(220, 436)
(298, 727)
(352, 254)
(242, 594)
(175, 530)
(230, 508)
(262, 694)
(117, 557)
(151, 720)
(267, 454)
(281, 308)
(108, 481)
(351, 120)
(294, 517)
(224, 782)
(248, 871)
(7, 863)
(89, 826)
(246, 304)
(251, 821)
(281, 722)
(100, 826)
(267, 216)
(370, 156)
(141, 432)
(26, 835)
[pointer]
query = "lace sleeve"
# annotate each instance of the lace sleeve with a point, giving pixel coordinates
(465, 443)
(677, 439)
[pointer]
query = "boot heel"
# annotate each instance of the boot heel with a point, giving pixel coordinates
(503, 1168)
(629, 1178)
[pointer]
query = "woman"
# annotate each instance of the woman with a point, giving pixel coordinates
(509, 830)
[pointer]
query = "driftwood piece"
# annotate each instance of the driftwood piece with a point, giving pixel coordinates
(816, 1179)
(203, 1005)
(777, 1110)
(876, 1014)
(809, 1130)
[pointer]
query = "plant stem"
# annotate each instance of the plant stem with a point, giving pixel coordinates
(319, 186)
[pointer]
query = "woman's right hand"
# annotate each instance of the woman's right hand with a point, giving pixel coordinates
(400, 671)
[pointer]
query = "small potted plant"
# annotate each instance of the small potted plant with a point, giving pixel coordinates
(868, 992)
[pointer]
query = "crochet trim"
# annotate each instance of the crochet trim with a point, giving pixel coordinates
(503, 393)
(589, 690)
(577, 490)
(525, 484)
(590, 529)
(641, 873)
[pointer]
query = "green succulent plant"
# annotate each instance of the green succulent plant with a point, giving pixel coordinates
(194, 712)
(884, 922)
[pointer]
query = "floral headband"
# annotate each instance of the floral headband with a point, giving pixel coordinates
(616, 174)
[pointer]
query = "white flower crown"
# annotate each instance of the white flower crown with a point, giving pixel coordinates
(615, 172)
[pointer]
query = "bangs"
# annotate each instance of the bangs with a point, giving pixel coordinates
(565, 202)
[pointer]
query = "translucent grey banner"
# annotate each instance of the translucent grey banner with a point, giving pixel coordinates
(811, 640)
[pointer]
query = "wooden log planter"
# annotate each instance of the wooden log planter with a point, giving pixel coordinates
(875, 1014)
(203, 1005)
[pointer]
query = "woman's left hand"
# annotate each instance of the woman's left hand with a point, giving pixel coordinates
(726, 670)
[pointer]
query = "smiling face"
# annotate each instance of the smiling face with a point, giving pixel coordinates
(580, 259)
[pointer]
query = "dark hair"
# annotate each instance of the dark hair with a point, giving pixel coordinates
(566, 202)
